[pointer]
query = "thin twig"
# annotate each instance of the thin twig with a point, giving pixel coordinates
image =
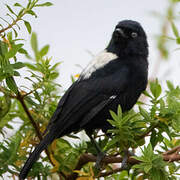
(16, 20)
(12, 24)
(21, 100)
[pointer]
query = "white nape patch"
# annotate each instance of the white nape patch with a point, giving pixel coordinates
(98, 61)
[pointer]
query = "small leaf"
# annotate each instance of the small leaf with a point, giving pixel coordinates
(32, 13)
(119, 112)
(44, 50)
(53, 75)
(147, 94)
(175, 30)
(11, 84)
(44, 4)
(31, 66)
(34, 44)
(9, 36)
(17, 4)
(113, 115)
(31, 101)
(145, 114)
(178, 40)
(23, 51)
(16, 73)
(28, 26)
(18, 65)
(170, 85)
(147, 168)
(153, 139)
(20, 12)
(155, 88)
(15, 32)
(9, 8)
(3, 48)
(12, 52)
(5, 104)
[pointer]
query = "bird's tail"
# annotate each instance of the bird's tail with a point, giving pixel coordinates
(35, 155)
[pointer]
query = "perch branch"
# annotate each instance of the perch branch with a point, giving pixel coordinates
(170, 156)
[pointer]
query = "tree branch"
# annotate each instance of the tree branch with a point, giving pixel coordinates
(25, 10)
(170, 156)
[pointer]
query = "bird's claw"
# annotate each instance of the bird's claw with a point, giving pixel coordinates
(124, 164)
(99, 159)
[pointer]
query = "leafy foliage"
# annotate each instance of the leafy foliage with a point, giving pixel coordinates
(151, 164)
(148, 132)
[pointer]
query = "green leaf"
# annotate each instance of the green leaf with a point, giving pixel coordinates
(17, 4)
(9, 8)
(153, 139)
(5, 104)
(175, 30)
(147, 94)
(31, 66)
(16, 73)
(145, 114)
(34, 44)
(31, 101)
(21, 12)
(155, 88)
(119, 112)
(28, 26)
(9, 36)
(15, 32)
(32, 13)
(12, 84)
(53, 75)
(54, 66)
(23, 51)
(3, 48)
(113, 123)
(147, 168)
(111, 143)
(2, 77)
(113, 115)
(29, 3)
(44, 4)
(178, 40)
(170, 85)
(44, 50)
(12, 52)
(18, 65)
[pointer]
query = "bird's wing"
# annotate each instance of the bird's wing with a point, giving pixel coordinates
(85, 95)
(59, 108)
(95, 110)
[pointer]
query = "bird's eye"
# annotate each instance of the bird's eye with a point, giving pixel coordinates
(134, 34)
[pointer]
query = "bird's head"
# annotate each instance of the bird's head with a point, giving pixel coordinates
(128, 38)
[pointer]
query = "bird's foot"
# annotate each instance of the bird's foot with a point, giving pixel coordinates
(124, 164)
(99, 159)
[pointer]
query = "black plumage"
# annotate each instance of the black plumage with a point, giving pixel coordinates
(118, 75)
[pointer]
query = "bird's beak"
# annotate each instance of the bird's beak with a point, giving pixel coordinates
(120, 32)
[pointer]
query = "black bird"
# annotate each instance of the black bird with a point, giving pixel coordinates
(117, 75)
